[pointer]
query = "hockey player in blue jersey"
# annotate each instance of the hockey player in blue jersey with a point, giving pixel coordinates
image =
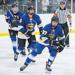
(13, 17)
(51, 37)
(28, 22)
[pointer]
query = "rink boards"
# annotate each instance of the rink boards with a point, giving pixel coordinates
(46, 18)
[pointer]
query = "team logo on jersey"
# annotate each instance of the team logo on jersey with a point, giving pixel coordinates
(51, 36)
(30, 26)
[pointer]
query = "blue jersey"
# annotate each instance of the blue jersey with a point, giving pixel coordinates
(34, 21)
(10, 16)
(49, 34)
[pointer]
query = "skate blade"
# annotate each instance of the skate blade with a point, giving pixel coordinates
(48, 72)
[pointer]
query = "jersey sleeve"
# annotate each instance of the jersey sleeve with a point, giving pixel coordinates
(7, 17)
(44, 37)
(22, 27)
(68, 15)
(39, 23)
(61, 32)
(56, 12)
(61, 37)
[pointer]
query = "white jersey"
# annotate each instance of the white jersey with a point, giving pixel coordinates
(62, 14)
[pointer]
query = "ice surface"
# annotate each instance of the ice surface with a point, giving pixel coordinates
(64, 63)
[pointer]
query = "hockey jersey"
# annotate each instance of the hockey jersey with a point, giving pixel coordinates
(30, 23)
(10, 17)
(49, 34)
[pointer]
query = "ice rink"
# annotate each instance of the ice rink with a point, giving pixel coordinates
(64, 63)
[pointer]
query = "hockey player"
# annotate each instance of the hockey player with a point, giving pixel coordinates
(51, 37)
(63, 13)
(13, 17)
(28, 22)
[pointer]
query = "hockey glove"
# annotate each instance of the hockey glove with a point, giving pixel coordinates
(60, 48)
(14, 24)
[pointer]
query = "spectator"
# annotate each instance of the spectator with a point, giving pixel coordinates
(49, 7)
(4, 4)
(45, 4)
(30, 3)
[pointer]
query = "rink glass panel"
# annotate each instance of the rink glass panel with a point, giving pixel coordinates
(41, 6)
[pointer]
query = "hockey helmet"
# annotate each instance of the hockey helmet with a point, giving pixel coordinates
(55, 18)
(31, 10)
